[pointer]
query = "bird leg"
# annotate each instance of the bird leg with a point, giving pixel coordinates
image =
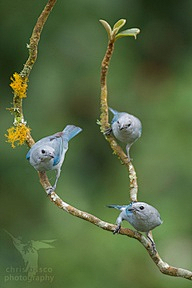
(127, 150)
(150, 237)
(118, 222)
(51, 189)
(57, 178)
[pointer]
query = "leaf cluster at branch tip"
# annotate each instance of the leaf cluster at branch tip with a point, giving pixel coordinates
(113, 34)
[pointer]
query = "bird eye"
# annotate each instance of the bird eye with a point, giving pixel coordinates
(141, 207)
(43, 151)
(129, 125)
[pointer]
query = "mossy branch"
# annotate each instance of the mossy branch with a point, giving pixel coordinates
(19, 86)
(20, 132)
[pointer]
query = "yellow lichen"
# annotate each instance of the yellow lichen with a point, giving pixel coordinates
(17, 134)
(19, 85)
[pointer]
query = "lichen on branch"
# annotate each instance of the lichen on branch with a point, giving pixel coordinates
(19, 85)
(19, 132)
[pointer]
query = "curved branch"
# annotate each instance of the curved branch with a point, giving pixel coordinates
(104, 119)
(162, 266)
(35, 37)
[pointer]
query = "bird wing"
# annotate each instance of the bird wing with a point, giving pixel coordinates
(116, 115)
(28, 155)
(115, 118)
(56, 142)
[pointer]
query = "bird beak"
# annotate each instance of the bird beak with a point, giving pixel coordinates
(50, 155)
(132, 209)
(121, 127)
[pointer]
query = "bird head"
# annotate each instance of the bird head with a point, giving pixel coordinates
(124, 123)
(137, 207)
(46, 153)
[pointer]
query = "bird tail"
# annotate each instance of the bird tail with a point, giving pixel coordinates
(113, 111)
(71, 131)
(118, 207)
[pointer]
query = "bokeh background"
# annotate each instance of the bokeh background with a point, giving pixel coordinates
(150, 78)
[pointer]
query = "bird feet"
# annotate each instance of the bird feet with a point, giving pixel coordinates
(117, 230)
(108, 131)
(49, 190)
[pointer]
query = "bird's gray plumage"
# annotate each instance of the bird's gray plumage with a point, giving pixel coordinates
(49, 152)
(126, 128)
(142, 216)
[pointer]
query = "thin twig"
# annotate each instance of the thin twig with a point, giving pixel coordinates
(33, 48)
(17, 109)
(35, 37)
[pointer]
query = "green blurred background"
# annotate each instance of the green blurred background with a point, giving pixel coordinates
(150, 78)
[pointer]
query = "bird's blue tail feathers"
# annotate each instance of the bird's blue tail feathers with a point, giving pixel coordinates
(119, 207)
(116, 115)
(70, 131)
(113, 111)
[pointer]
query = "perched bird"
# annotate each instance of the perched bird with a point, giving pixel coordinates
(126, 128)
(49, 152)
(142, 216)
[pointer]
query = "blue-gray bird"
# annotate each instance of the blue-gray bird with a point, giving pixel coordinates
(49, 152)
(126, 128)
(142, 216)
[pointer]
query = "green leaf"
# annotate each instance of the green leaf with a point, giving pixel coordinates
(129, 32)
(119, 24)
(107, 27)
